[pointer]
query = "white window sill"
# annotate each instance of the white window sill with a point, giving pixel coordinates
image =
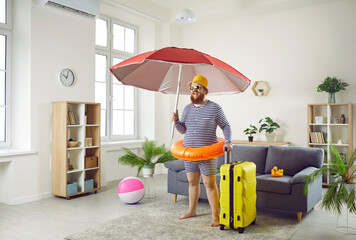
(9, 152)
(128, 143)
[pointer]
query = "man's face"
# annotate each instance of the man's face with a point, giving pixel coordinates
(197, 93)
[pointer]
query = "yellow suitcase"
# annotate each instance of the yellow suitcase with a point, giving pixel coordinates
(237, 195)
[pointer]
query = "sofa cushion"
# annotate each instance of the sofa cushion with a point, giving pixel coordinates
(293, 159)
(255, 154)
(175, 165)
(280, 185)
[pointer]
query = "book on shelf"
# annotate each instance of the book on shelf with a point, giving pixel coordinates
(317, 137)
(71, 118)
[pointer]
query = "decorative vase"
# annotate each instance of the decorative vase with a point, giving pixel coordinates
(270, 137)
(147, 171)
(250, 138)
(331, 98)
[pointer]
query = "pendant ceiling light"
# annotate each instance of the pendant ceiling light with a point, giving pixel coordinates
(185, 16)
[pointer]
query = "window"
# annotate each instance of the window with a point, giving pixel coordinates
(5, 83)
(115, 41)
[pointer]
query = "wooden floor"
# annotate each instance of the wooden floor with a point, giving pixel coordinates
(56, 218)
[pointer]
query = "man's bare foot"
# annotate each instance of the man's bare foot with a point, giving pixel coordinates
(215, 224)
(187, 215)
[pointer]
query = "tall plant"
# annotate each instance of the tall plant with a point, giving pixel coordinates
(152, 154)
(342, 190)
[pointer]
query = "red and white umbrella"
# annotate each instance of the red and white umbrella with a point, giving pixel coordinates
(166, 69)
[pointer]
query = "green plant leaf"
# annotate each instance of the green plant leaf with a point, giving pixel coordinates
(332, 85)
(152, 154)
(343, 172)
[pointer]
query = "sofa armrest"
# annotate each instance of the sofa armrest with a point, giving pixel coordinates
(298, 178)
(175, 165)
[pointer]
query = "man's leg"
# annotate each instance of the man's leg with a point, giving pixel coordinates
(213, 198)
(194, 192)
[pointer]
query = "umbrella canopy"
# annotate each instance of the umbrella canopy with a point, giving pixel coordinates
(160, 70)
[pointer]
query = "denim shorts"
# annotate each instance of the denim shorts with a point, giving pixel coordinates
(206, 167)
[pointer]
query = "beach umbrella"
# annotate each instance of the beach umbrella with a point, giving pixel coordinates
(167, 69)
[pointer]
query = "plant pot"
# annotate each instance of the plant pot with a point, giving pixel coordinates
(331, 98)
(147, 171)
(270, 137)
(250, 138)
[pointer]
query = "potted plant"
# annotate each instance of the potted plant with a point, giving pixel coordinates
(341, 191)
(250, 131)
(261, 91)
(332, 86)
(152, 154)
(268, 126)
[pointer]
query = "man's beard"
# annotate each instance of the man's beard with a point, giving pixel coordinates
(198, 100)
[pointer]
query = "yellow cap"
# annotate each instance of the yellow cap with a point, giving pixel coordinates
(201, 80)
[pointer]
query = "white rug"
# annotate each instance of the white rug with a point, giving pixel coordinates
(160, 221)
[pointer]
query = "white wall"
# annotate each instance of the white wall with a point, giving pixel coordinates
(292, 49)
(46, 40)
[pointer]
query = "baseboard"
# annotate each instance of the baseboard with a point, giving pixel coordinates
(31, 198)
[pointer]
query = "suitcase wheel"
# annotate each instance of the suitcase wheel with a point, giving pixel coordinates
(222, 227)
(241, 230)
(254, 221)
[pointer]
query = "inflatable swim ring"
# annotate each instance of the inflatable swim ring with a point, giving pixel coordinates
(196, 154)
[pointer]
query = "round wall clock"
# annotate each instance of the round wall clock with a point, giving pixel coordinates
(66, 76)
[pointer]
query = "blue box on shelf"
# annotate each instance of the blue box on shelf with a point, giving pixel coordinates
(72, 188)
(88, 184)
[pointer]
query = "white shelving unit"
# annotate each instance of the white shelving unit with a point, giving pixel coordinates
(85, 123)
(335, 132)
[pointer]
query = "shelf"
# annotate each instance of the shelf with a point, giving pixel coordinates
(75, 170)
(92, 147)
(332, 130)
(75, 148)
(260, 88)
(94, 168)
(319, 144)
(340, 145)
(86, 119)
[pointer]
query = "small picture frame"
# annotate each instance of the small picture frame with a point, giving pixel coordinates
(88, 142)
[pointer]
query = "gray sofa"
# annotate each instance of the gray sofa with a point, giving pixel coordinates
(283, 193)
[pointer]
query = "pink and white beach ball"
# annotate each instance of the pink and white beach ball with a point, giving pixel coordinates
(131, 190)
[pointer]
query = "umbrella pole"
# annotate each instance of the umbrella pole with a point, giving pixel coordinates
(177, 98)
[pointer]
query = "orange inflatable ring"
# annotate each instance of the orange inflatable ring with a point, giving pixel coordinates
(196, 154)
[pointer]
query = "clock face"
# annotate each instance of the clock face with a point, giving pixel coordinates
(66, 76)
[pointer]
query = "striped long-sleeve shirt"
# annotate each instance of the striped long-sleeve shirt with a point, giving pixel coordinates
(199, 124)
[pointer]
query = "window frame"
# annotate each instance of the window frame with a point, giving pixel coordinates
(110, 54)
(6, 30)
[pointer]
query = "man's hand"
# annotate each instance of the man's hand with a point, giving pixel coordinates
(174, 117)
(228, 147)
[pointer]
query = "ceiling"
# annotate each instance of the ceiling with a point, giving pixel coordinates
(180, 4)
(207, 10)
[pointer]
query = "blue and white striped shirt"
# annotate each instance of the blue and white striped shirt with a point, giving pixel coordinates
(199, 124)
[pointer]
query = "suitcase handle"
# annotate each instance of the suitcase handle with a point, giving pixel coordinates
(227, 156)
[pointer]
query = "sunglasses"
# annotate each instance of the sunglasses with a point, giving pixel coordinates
(196, 88)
